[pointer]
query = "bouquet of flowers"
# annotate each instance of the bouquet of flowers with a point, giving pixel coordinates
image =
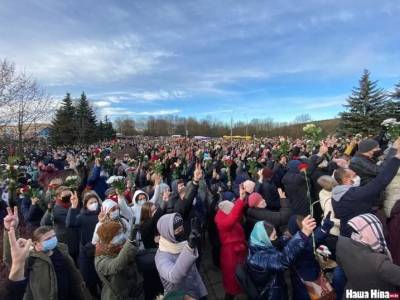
(158, 167)
(252, 166)
(72, 182)
(313, 133)
(117, 182)
(30, 192)
(283, 148)
(392, 128)
(108, 164)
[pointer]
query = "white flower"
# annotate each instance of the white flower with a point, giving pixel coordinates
(114, 178)
(71, 178)
(389, 121)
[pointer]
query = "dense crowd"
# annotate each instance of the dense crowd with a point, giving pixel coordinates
(132, 219)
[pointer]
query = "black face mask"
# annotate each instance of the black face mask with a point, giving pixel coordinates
(66, 199)
(378, 153)
(276, 243)
(178, 222)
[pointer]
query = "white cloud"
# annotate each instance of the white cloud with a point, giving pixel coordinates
(120, 111)
(91, 60)
(101, 103)
(141, 95)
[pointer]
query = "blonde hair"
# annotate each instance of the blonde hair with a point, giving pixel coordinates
(327, 182)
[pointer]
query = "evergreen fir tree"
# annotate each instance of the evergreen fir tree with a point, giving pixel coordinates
(366, 108)
(62, 130)
(393, 105)
(86, 121)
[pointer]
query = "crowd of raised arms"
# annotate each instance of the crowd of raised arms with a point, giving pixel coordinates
(133, 219)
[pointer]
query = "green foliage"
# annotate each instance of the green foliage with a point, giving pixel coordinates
(63, 130)
(313, 133)
(77, 123)
(366, 108)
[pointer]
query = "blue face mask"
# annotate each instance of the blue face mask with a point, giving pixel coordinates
(50, 244)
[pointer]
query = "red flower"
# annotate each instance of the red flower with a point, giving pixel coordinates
(303, 167)
(96, 151)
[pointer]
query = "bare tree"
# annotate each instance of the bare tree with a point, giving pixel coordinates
(303, 118)
(23, 102)
(8, 88)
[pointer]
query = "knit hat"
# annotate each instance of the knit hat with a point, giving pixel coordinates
(178, 221)
(293, 165)
(367, 145)
(249, 186)
(108, 204)
(254, 199)
(226, 206)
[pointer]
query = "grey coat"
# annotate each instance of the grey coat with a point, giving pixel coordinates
(366, 269)
(178, 272)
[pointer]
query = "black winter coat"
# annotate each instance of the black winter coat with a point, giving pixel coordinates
(296, 191)
(269, 192)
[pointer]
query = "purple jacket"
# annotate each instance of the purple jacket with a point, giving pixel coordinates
(178, 272)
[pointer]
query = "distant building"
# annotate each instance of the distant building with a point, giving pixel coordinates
(33, 132)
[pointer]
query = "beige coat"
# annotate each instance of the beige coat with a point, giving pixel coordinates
(392, 194)
(325, 199)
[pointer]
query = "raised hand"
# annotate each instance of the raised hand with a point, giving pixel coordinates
(282, 194)
(102, 215)
(165, 196)
(34, 200)
(198, 172)
(74, 200)
(308, 225)
(242, 192)
(19, 253)
(11, 220)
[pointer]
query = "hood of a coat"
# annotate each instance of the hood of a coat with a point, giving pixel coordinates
(339, 191)
(165, 227)
(136, 194)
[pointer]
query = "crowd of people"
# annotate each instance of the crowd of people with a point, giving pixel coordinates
(133, 219)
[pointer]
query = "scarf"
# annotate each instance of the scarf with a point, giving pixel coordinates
(173, 248)
(107, 249)
(63, 204)
(259, 236)
(368, 231)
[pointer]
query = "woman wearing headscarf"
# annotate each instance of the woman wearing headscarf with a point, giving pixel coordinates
(267, 262)
(110, 211)
(365, 257)
(233, 241)
(115, 262)
(176, 257)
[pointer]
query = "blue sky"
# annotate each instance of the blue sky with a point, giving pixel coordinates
(245, 59)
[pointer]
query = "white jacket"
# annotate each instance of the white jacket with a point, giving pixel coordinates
(325, 200)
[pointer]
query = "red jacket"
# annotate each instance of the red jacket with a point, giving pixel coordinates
(233, 245)
(229, 228)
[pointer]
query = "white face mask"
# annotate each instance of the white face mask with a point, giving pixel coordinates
(356, 181)
(119, 239)
(93, 206)
(114, 215)
(141, 202)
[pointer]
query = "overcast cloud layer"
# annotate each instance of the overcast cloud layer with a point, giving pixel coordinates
(245, 59)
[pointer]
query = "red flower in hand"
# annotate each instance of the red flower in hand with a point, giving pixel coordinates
(303, 167)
